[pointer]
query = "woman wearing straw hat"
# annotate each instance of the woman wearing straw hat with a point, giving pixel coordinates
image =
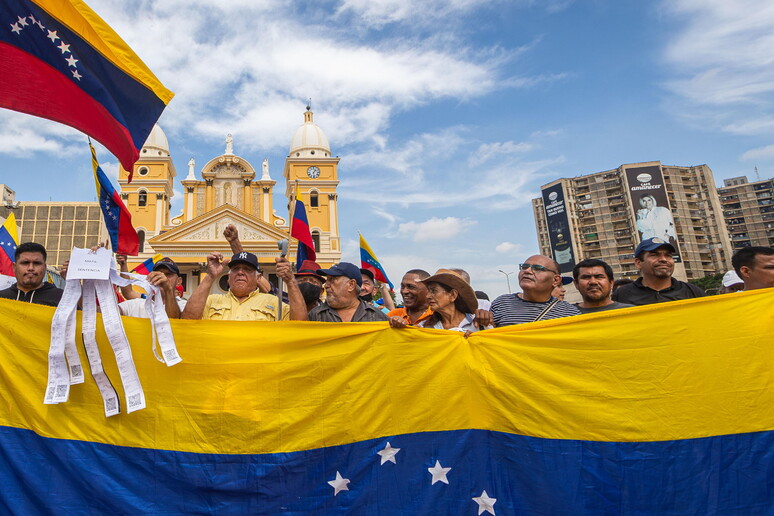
(452, 300)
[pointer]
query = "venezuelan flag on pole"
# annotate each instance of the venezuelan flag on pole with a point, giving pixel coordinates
(59, 60)
(9, 239)
(117, 218)
(147, 266)
(300, 231)
(369, 261)
(664, 409)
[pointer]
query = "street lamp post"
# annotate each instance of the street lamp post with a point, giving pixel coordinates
(507, 279)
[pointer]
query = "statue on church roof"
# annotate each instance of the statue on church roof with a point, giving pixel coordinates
(265, 169)
(229, 144)
(191, 165)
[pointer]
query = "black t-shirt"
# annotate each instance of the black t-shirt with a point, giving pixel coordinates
(46, 294)
(638, 294)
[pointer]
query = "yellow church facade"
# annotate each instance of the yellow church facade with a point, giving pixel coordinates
(229, 190)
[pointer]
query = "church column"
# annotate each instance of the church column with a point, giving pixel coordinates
(247, 196)
(334, 216)
(159, 212)
(266, 213)
(190, 199)
(209, 195)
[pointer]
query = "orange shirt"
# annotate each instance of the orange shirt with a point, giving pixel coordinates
(401, 312)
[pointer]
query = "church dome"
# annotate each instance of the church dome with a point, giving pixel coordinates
(156, 144)
(309, 141)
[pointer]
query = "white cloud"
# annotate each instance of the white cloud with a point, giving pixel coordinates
(508, 247)
(721, 59)
(22, 135)
(436, 228)
(487, 151)
(759, 153)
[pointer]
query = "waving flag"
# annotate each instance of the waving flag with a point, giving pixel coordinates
(369, 261)
(663, 409)
(117, 218)
(59, 60)
(147, 266)
(9, 239)
(300, 231)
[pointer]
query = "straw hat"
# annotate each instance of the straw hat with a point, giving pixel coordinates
(455, 281)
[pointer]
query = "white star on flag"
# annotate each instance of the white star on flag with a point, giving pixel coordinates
(71, 60)
(388, 454)
(339, 484)
(485, 503)
(15, 28)
(52, 36)
(22, 21)
(64, 48)
(77, 75)
(439, 473)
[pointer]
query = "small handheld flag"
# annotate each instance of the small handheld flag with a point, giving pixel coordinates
(117, 218)
(369, 261)
(9, 239)
(59, 60)
(147, 266)
(300, 231)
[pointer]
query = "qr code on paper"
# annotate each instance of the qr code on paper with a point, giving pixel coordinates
(61, 390)
(76, 370)
(170, 355)
(111, 404)
(134, 400)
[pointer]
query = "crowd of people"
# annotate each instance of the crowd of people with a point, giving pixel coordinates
(443, 300)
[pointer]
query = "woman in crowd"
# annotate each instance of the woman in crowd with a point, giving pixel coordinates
(452, 300)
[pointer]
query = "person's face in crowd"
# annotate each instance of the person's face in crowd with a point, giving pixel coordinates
(29, 269)
(242, 279)
(438, 297)
(540, 280)
(658, 264)
(736, 287)
(172, 278)
(413, 292)
(593, 284)
(559, 292)
(367, 287)
(761, 274)
(314, 280)
(340, 291)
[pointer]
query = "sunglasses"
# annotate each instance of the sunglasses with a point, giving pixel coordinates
(535, 267)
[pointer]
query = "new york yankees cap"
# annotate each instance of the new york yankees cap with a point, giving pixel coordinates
(245, 257)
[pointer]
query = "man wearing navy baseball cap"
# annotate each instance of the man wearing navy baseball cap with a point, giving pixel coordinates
(243, 301)
(654, 258)
(342, 297)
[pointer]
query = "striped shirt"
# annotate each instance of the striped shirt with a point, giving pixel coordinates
(511, 309)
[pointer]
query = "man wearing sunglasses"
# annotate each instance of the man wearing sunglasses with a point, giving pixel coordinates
(537, 277)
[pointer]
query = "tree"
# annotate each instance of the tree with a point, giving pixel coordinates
(711, 284)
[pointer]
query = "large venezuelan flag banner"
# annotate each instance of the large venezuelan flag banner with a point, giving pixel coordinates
(663, 410)
(59, 60)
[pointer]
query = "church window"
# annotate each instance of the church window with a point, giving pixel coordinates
(143, 198)
(316, 240)
(314, 199)
(143, 171)
(141, 238)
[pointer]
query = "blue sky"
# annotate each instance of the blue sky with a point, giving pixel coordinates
(447, 115)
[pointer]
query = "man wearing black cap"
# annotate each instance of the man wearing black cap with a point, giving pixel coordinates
(654, 258)
(368, 289)
(342, 302)
(243, 302)
(166, 276)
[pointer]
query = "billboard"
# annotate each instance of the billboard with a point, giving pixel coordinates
(650, 204)
(559, 227)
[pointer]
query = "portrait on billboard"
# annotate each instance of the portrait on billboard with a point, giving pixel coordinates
(649, 201)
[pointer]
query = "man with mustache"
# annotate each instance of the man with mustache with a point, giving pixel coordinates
(594, 280)
(654, 258)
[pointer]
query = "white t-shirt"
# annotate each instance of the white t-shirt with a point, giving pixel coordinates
(136, 307)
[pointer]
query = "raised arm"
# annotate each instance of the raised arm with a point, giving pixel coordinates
(295, 297)
(127, 291)
(195, 306)
(232, 236)
(160, 279)
(389, 304)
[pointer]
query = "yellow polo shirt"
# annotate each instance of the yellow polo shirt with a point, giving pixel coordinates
(256, 307)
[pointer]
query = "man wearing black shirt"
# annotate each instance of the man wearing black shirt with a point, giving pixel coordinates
(654, 258)
(30, 271)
